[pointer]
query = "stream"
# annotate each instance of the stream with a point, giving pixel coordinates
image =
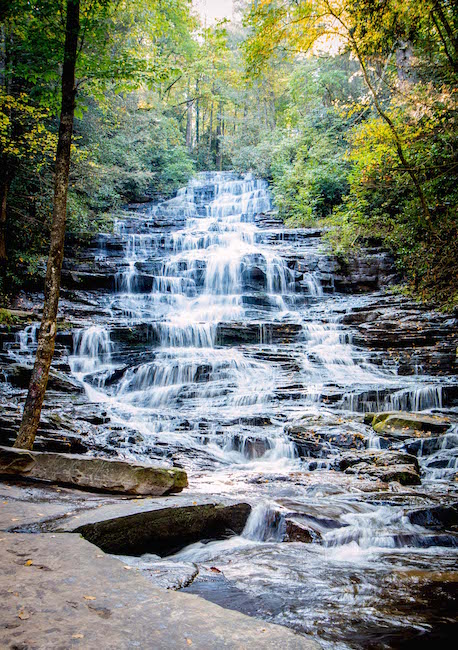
(223, 342)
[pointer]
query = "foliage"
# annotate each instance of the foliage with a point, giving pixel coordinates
(127, 146)
(396, 184)
(347, 107)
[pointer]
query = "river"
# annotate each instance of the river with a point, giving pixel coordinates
(223, 333)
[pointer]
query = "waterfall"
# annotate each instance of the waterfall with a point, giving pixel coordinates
(237, 326)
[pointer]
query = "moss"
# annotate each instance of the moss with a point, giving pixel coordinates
(7, 318)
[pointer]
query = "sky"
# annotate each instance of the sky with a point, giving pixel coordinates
(214, 9)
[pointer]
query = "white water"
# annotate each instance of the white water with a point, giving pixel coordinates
(215, 269)
(197, 272)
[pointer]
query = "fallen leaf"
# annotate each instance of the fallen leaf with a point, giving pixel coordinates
(128, 567)
(89, 598)
(77, 636)
(188, 641)
(23, 615)
(214, 569)
(28, 563)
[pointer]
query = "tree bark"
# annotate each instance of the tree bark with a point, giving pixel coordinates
(219, 142)
(197, 113)
(189, 121)
(47, 333)
(3, 200)
(210, 131)
(448, 28)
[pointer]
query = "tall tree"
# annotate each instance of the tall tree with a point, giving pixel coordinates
(301, 26)
(47, 332)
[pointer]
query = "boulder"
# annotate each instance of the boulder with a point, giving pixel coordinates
(409, 423)
(102, 474)
(320, 442)
(386, 466)
(166, 531)
(306, 529)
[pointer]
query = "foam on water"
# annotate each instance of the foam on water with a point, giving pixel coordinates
(234, 347)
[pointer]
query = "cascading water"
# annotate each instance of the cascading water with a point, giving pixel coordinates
(219, 334)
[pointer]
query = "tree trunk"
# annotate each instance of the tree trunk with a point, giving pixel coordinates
(197, 113)
(3, 199)
(189, 122)
(210, 131)
(219, 134)
(47, 333)
(451, 33)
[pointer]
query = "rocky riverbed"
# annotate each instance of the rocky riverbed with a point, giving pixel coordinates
(203, 334)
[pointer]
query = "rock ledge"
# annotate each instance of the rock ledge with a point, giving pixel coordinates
(95, 473)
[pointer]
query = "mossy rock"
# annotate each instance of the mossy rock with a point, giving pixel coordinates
(409, 423)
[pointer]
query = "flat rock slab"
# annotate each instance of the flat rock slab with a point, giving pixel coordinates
(102, 474)
(50, 600)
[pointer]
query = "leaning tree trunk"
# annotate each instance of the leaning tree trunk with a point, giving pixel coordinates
(47, 333)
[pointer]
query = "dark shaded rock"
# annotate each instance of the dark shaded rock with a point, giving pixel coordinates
(19, 377)
(425, 541)
(73, 279)
(298, 532)
(93, 473)
(384, 465)
(239, 333)
(135, 334)
(435, 516)
(365, 272)
(63, 384)
(166, 531)
(251, 446)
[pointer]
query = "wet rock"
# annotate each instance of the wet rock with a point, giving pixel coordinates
(384, 465)
(365, 272)
(254, 421)
(430, 445)
(237, 333)
(93, 473)
(425, 541)
(321, 442)
(73, 279)
(19, 377)
(167, 574)
(409, 423)
(435, 516)
(166, 531)
(251, 446)
(135, 334)
(297, 532)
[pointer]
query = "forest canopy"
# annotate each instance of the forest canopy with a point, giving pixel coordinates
(346, 107)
